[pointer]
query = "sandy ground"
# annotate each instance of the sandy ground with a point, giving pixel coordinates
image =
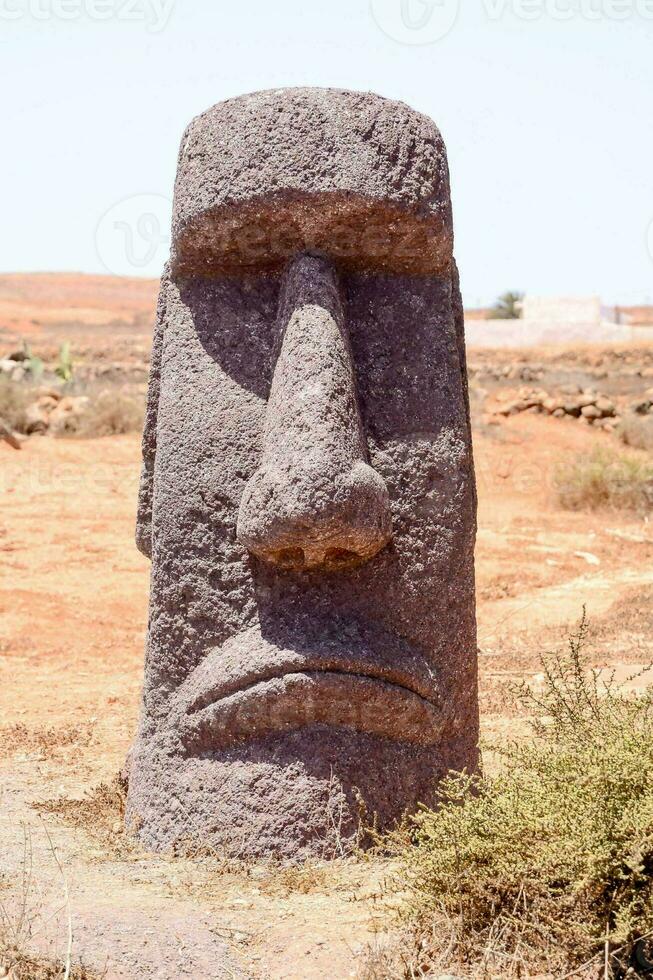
(105, 317)
(32, 304)
(73, 599)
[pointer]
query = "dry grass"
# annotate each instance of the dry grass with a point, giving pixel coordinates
(44, 742)
(637, 431)
(14, 399)
(605, 479)
(379, 963)
(200, 867)
(100, 813)
(303, 879)
(201, 871)
(23, 919)
(20, 966)
(111, 412)
(204, 865)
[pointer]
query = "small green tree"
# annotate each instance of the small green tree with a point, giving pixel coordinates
(65, 366)
(33, 365)
(507, 307)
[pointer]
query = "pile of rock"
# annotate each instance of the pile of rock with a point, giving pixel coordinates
(512, 371)
(117, 372)
(14, 367)
(586, 405)
(643, 406)
(55, 413)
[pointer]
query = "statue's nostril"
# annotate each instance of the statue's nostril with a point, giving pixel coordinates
(290, 558)
(339, 556)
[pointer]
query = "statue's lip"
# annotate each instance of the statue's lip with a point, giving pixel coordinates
(252, 687)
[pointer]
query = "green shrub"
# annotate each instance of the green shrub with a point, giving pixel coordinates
(65, 367)
(548, 864)
(607, 479)
(509, 306)
(32, 364)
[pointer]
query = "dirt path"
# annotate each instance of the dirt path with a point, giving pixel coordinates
(136, 917)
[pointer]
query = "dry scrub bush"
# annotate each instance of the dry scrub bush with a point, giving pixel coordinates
(14, 398)
(45, 741)
(605, 479)
(547, 865)
(379, 962)
(111, 413)
(305, 879)
(101, 812)
(637, 431)
(24, 967)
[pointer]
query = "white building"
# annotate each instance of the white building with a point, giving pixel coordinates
(556, 320)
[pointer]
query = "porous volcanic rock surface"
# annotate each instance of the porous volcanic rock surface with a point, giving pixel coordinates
(264, 176)
(287, 696)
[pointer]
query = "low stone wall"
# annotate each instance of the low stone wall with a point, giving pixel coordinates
(538, 333)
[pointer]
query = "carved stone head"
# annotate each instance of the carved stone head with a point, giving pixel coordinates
(307, 495)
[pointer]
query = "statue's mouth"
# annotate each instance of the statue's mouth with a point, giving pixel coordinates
(252, 688)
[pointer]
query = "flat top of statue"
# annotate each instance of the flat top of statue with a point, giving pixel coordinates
(267, 175)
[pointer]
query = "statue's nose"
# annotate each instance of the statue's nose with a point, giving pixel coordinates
(314, 500)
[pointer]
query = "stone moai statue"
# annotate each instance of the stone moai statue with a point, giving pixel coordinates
(307, 495)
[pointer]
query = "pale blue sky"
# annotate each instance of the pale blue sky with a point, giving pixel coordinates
(548, 122)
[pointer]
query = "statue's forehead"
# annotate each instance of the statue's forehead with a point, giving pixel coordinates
(357, 177)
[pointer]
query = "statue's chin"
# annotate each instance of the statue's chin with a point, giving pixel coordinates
(295, 794)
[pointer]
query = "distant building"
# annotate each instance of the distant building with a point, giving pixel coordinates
(562, 320)
(563, 309)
